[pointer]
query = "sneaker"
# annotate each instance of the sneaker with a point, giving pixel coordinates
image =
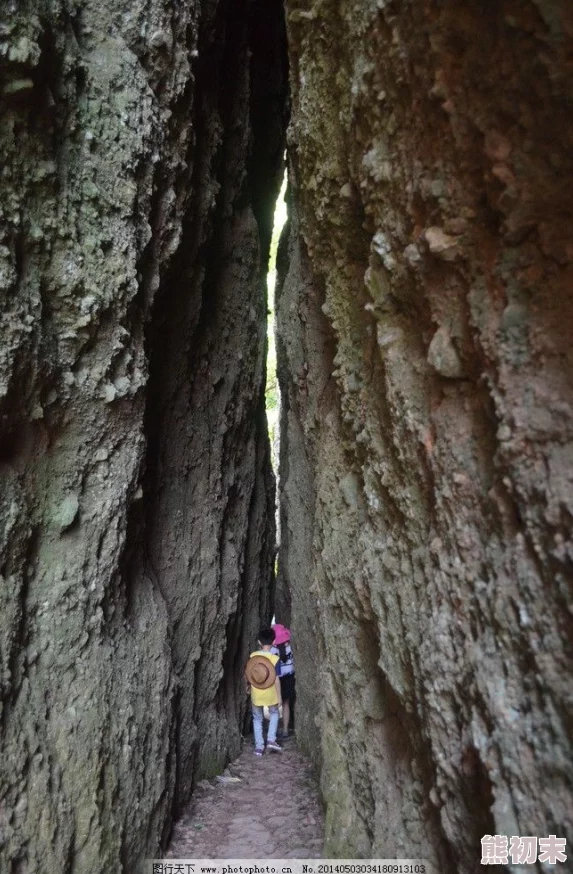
(274, 746)
(259, 752)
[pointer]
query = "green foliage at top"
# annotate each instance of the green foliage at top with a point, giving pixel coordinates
(272, 388)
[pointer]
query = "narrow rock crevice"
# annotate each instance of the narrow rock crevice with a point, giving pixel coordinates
(424, 358)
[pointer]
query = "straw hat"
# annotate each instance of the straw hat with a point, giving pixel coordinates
(282, 634)
(260, 672)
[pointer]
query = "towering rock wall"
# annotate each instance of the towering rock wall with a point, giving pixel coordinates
(136, 507)
(426, 363)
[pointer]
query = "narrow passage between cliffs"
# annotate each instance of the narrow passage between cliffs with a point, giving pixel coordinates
(272, 393)
(259, 807)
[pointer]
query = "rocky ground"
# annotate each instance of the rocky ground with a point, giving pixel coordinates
(260, 808)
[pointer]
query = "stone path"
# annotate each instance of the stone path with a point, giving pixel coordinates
(273, 812)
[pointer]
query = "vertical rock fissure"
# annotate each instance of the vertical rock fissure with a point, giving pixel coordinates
(424, 309)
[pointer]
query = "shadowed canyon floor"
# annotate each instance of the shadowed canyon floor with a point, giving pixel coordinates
(273, 812)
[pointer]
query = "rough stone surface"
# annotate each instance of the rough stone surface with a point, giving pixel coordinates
(259, 809)
(136, 509)
(425, 360)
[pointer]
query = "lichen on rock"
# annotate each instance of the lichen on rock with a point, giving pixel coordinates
(425, 486)
(136, 539)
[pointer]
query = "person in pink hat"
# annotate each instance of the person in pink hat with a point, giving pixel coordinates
(283, 649)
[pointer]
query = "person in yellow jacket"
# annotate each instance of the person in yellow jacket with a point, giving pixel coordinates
(265, 688)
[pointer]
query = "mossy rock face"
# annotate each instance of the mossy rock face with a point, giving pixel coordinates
(423, 335)
(210, 766)
(132, 487)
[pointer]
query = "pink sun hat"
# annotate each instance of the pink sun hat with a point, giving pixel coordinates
(282, 634)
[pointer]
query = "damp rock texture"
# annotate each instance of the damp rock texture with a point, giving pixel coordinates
(425, 360)
(136, 507)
